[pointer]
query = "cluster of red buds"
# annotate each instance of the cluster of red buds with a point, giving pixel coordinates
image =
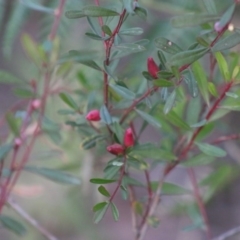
(128, 141)
(152, 67)
(116, 148)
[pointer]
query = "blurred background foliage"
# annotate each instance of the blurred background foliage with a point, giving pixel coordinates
(66, 211)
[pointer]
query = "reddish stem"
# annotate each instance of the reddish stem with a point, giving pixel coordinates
(199, 201)
(120, 179)
(135, 103)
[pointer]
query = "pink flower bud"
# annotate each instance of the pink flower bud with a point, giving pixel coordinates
(115, 149)
(36, 104)
(217, 27)
(93, 115)
(153, 68)
(17, 142)
(128, 138)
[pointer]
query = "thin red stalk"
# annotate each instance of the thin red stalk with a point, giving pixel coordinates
(149, 188)
(119, 180)
(58, 14)
(226, 138)
(108, 46)
(135, 103)
(132, 200)
(199, 201)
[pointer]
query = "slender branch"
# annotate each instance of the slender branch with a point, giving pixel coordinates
(199, 201)
(58, 14)
(120, 179)
(108, 46)
(150, 195)
(136, 102)
(132, 201)
(155, 202)
(30, 220)
(228, 234)
(226, 138)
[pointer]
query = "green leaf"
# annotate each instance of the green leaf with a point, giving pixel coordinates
(99, 206)
(147, 76)
(165, 75)
(141, 12)
(68, 100)
(231, 94)
(37, 7)
(94, 36)
(104, 191)
(4, 150)
(169, 102)
(91, 141)
(34, 52)
(192, 85)
(102, 181)
(199, 124)
(12, 225)
(91, 11)
(148, 118)
(89, 63)
(132, 31)
(105, 115)
(123, 92)
(210, 6)
(13, 123)
(227, 42)
(193, 19)
(226, 17)
(93, 24)
(100, 213)
(211, 150)
(24, 93)
(167, 46)
(115, 211)
(6, 77)
(202, 42)
(173, 118)
(54, 175)
(118, 130)
(198, 160)
(212, 89)
(223, 66)
(193, 46)
(162, 59)
(106, 30)
(170, 189)
(187, 57)
(163, 83)
(201, 79)
(131, 181)
(151, 151)
(130, 47)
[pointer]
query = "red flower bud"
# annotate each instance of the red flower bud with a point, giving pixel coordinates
(93, 115)
(115, 149)
(36, 104)
(153, 68)
(128, 138)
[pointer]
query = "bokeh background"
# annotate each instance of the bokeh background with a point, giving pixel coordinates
(65, 210)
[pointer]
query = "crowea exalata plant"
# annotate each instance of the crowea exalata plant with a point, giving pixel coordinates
(113, 90)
